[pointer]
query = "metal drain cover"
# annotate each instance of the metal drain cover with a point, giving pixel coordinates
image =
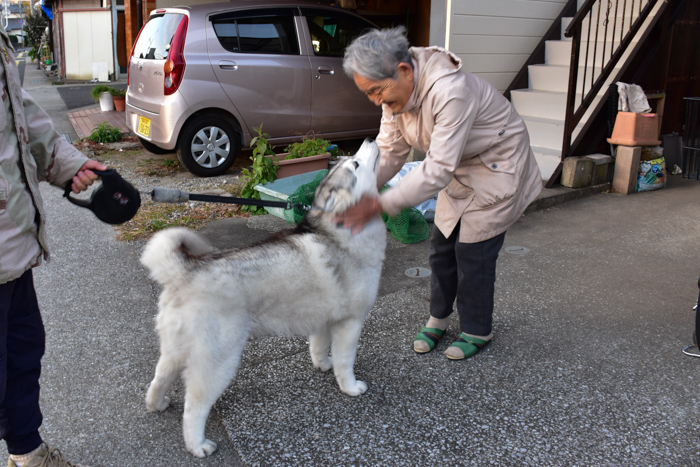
(417, 272)
(517, 250)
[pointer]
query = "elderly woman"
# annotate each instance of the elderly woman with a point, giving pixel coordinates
(478, 159)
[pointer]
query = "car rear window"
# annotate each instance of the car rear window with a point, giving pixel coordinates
(263, 32)
(156, 35)
(332, 31)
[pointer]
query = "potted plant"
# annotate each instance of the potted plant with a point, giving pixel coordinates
(307, 155)
(101, 94)
(119, 98)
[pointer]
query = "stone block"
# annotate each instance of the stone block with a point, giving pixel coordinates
(601, 169)
(626, 169)
(577, 172)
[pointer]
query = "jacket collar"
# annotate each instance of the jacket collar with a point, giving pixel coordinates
(429, 65)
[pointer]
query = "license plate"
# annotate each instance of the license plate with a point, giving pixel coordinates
(144, 126)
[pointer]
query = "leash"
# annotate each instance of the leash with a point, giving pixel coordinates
(173, 195)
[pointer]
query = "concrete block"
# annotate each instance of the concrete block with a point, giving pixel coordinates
(577, 172)
(601, 169)
(626, 169)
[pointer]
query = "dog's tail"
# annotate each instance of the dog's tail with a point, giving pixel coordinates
(171, 252)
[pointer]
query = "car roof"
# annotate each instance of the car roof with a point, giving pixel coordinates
(206, 8)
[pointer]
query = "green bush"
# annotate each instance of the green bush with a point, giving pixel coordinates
(117, 92)
(306, 148)
(34, 26)
(98, 90)
(105, 133)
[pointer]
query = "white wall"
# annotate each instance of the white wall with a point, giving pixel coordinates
(88, 39)
(494, 38)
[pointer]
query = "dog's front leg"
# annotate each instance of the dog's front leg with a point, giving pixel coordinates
(318, 348)
(345, 336)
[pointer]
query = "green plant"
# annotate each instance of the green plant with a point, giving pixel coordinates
(105, 133)
(309, 146)
(263, 170)
(34, 27)
(117, 92)
(33, 53)
(98, 90)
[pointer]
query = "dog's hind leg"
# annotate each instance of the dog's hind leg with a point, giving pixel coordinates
(345, 336)
(318, 347)
(206, 378)
(166, 371)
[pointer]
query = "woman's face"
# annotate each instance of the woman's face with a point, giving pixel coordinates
(392, 92)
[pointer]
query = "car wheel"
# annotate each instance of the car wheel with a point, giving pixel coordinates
(208, 146)
(152, 148)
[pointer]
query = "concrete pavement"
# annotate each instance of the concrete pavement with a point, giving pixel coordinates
(585, 368)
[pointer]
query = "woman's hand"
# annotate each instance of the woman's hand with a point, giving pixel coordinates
(357, 216)
(85, 176)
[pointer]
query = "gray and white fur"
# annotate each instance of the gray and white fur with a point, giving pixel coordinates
(316, 280)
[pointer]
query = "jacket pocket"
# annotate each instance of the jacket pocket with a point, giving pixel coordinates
(493, 180)
(458, 190)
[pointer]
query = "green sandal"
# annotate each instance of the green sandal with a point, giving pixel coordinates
(429, 335)
(468, 345)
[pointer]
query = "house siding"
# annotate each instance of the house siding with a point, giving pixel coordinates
(494, 38)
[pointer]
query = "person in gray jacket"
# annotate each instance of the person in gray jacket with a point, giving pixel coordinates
(30, 151)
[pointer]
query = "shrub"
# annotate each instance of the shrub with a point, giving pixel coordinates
(98, 90)
(306, 148)
(105, 133)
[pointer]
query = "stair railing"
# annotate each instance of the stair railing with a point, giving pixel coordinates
(627, 18)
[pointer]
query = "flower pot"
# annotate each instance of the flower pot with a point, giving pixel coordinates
(633, 129)
(106, 102)
(119, 103)
(301, 165)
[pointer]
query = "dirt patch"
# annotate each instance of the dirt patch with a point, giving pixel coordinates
(146, 170)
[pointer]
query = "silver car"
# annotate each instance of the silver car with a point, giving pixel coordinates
(202, 78)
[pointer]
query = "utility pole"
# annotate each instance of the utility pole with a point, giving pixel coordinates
(21, 19)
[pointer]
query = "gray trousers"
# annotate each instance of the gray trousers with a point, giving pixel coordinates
(466, 272)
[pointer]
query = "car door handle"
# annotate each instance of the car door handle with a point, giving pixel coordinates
(326, 70)
(228, 65)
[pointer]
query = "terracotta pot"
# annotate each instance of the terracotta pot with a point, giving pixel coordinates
(301, 165)
(119, 103)
(633, 129)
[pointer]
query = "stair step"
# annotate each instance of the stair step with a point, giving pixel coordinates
(547, 132)
(556, 77)
(544, 104)
(547, 159)
(559, 52)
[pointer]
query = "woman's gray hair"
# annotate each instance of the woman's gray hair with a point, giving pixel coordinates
(377, 53)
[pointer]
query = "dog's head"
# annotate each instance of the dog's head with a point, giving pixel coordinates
(349, 180)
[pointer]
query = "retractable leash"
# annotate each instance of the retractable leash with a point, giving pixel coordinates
(114, 201)
(173, 195)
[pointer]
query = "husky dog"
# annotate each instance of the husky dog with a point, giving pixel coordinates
(316, 280)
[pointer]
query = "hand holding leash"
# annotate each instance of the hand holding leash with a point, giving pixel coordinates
(85, 176)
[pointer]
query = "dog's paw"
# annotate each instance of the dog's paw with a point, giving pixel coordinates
(207, 448)
(157, 406)
(324, 364)
(356, 389)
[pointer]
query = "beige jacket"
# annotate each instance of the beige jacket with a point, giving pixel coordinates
(478, 155)
(30, 151)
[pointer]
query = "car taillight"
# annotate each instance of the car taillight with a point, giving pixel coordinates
(174, 67)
